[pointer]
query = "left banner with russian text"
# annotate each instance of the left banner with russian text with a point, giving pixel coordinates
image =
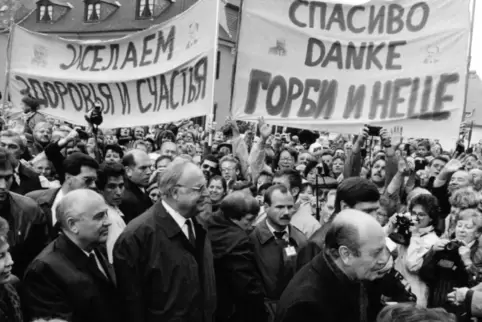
(158, 75)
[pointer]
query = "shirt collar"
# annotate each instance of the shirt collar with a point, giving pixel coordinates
(180, 220)
(17, 167)
(272, 230)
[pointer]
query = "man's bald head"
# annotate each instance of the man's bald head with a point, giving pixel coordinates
(351, 228)
(77, 203)
(137, 164)
(357, 242)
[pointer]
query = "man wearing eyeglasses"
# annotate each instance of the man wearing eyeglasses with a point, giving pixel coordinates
(163, 259)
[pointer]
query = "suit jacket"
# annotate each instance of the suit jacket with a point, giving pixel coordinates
(161, 276)
(275, 269)
(321, 292)
(28, 230)
(29, 181)
(134, 201)
(239, 287)
(45, 199)
(60, 283)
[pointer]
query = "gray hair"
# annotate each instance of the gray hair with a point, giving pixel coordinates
(72, 205)
(171, 176)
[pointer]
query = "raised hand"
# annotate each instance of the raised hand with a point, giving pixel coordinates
(264, 129)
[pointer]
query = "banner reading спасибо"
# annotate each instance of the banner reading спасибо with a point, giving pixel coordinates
(327, 66)
(161, 74)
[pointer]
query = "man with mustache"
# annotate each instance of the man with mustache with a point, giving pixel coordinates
(71, 279)
(163, 259)
(276, 244)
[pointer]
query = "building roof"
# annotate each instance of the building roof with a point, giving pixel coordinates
(121, 17)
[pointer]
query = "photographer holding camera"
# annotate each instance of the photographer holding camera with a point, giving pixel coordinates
(454, 263)
(417, 229)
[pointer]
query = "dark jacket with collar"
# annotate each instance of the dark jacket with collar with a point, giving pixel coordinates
(275, 270)
(134, 201)
(61, 284)
(239, 287)
(161, 276)
(321, 292)
(29, 181)
(45, 199)
(28, 230)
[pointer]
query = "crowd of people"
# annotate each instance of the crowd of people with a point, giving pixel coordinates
(163, 223)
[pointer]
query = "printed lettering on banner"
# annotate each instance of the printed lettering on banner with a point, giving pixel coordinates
(327, 66)
(162, 74)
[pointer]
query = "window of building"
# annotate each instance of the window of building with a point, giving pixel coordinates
(46, 13)
(218, 64)
(150, 9)
(145, 9)
(92, 12)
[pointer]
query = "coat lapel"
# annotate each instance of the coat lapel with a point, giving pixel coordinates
(172, 229)
(80, 259)
(108, 268)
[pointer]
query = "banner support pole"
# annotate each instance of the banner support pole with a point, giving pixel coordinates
(469, 60)
(236, 48)
(8, 63)
(210, 116)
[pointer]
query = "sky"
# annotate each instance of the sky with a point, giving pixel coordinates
(477, 40)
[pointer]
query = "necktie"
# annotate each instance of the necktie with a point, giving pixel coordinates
(94, 265)
(279, 234)
(190, 233)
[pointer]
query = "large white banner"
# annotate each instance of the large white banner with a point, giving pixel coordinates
(161, 74)
(327, 66)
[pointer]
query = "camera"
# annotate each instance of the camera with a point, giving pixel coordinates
(94, 117)
(82, 134)
(453, 244)
(402, 233)
(373, 130)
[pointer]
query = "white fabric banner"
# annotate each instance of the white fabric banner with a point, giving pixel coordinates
(161, 74)
(333, 67)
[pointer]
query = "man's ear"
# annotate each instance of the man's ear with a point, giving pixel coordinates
(295, 191)
(344, 205)
(345, 255)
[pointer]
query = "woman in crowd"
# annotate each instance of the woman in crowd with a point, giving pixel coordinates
(424, 212)
(10, 308)
(454, 263)
(337, 166)
(461, 199)
(217, 190)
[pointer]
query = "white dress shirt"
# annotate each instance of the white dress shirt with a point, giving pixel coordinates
(286, 236)
(58, 197)
(99, 265)
(180, 220)
(117, 226)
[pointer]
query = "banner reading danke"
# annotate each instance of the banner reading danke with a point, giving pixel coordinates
(161, 74)
(327, 66)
